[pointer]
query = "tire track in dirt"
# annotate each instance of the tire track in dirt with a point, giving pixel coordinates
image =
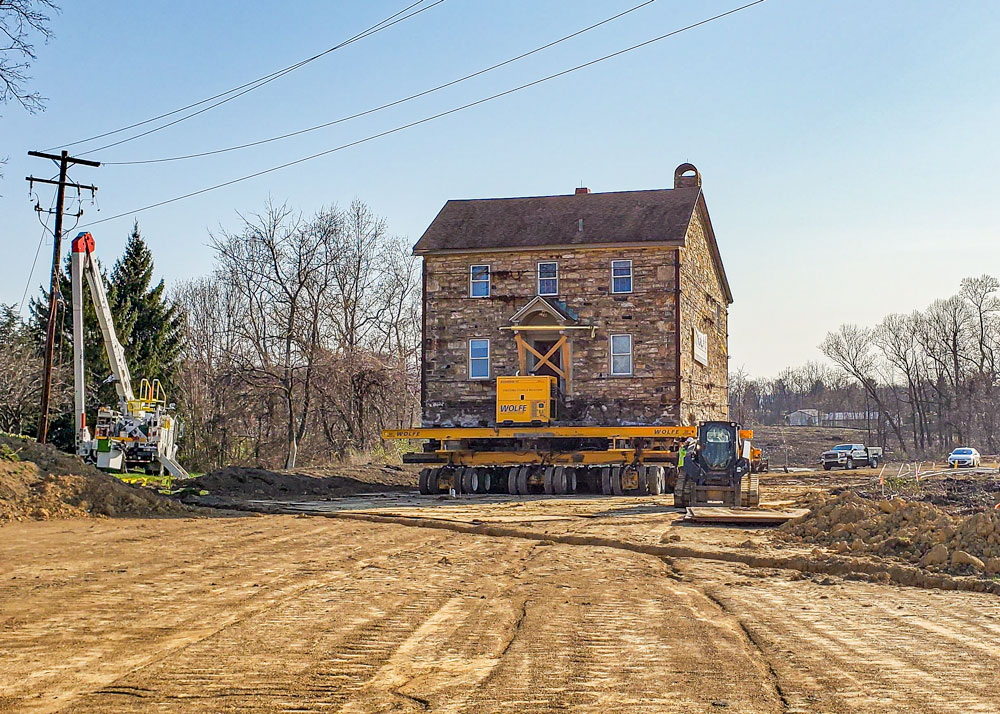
(858, 647)
(322, 649)
(157, 625)
(830, 565)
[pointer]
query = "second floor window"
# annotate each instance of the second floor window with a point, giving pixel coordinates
(479, 281)
(621, 276)
(548, 278)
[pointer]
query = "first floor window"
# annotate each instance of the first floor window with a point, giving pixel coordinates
(621, 276)
(479, 359)
(621, 354)
(548, 278)
(479, 281)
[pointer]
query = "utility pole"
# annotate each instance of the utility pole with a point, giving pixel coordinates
(65, 161)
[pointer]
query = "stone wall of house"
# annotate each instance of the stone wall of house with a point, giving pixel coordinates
(704, 389)
(452, 318)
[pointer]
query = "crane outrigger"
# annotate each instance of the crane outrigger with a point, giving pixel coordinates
(141, 432)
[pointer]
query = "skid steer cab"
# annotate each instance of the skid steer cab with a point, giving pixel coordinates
(717, 469)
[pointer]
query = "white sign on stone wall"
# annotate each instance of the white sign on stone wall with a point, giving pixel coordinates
(699, 341)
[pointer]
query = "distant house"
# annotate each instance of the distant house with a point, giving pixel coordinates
(803, 417)
(850, 419)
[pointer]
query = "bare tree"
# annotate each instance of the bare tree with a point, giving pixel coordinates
(21, 23)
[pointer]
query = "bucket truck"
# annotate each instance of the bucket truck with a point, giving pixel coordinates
(141, 432)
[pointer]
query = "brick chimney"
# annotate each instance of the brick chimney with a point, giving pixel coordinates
(582, 190)
(686, 175)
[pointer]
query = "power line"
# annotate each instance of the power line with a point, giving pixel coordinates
(249, 86)
(390, 104)
(429, 118)
(38, 249)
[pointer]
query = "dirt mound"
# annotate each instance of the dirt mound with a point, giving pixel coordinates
(39, 482)
(237, 483)
(916, 532)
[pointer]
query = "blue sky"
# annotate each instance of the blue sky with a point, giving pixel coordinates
(849, 148)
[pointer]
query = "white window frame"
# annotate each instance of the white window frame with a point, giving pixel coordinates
(473, 280)
(487, 358)
(538, 271)
(631, 277)
(613, 354)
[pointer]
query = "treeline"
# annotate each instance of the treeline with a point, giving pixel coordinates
(298, 347)
(768, 400)
(303, 342)
(931, 376)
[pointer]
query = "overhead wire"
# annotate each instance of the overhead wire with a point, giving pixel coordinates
(248, 86)
(389, 104)
(38, 249)
(429, 118)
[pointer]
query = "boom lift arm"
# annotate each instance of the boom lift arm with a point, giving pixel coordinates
(83, 264)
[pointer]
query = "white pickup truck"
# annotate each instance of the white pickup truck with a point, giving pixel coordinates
(850, 456)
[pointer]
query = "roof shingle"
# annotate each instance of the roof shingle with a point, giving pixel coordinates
(655, 216)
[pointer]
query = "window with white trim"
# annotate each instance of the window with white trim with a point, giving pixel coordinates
(548, 278)
(621, 276)
(479, 281)
(621, 355)
(479, 359)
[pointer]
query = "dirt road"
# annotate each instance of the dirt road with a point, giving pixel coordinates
(307, 614)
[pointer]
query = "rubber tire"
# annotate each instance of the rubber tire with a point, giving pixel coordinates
(606, 480)
(522, 481)
(850, 463)
(827, 467)
(654, 480)
(422, 481)
(457, 476)
(471, 481)
(559, 480)
(548, 480)
(433, 488)
(571, 481)
(485, 481)
(642, 484)
(616, 481)
(512, 480)
(874, 463)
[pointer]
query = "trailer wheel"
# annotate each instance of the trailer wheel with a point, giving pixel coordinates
(471, 481)
(616, 481)
(654, 480)
(485, 481)
(559, 480)
(548, 484)
(522, 481)
(606, 480)
(432, 482)
(512, 480)
(424, 475)
(571, 477)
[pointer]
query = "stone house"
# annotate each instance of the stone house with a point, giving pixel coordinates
(622, 296)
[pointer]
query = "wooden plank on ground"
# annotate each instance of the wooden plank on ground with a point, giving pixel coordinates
(742, 516)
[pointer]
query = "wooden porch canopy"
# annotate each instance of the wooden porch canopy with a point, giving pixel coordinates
(546, 316)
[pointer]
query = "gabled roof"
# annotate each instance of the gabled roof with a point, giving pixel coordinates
(656, 216)
(557, 309)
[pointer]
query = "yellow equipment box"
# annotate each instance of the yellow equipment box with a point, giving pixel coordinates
(523, 400)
